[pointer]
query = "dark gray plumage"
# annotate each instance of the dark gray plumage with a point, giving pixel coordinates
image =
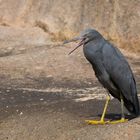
(111, 68)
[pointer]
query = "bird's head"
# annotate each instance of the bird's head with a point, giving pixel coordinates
(85, 36)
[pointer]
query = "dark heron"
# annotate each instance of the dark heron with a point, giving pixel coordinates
(112, 71)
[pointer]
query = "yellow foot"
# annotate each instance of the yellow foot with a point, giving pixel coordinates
(122, 120)
(95, 122)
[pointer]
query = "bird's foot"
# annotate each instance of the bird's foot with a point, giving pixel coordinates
(122, 120)
(96, 122)
(101, 122)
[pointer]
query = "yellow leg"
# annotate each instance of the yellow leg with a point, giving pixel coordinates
(101, 121)
(122, 120)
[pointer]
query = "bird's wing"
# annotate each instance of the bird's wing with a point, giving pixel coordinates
(121, 75)
(119, 71)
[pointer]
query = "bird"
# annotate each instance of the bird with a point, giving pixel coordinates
(112, 71)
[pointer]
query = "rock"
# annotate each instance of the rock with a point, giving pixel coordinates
(118, 20)
(21, 113)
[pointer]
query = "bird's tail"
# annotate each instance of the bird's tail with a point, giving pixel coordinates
(133, 105)
(133, 108)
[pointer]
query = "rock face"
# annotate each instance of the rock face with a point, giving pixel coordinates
(31, 29)
(118, 20)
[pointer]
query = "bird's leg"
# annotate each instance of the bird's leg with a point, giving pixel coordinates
(122, 109)
(101, 121)
(122, 120)
(105, 108)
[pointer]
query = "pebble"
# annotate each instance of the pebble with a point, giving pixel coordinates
(21, 113)
(49, 76)
(7, 90)
(24, 91)
(12, 98)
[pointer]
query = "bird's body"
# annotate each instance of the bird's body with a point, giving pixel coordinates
(112, 70)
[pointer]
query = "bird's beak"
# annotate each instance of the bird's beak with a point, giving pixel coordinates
(73, 40)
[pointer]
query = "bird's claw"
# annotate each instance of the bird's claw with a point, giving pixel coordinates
(122, 120)
(96, 122)
(101, 122)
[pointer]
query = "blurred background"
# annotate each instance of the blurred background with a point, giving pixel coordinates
(32, 32)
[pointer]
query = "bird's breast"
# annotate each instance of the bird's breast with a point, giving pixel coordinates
(92, 52)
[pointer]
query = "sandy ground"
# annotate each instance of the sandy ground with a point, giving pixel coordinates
(60, 114)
